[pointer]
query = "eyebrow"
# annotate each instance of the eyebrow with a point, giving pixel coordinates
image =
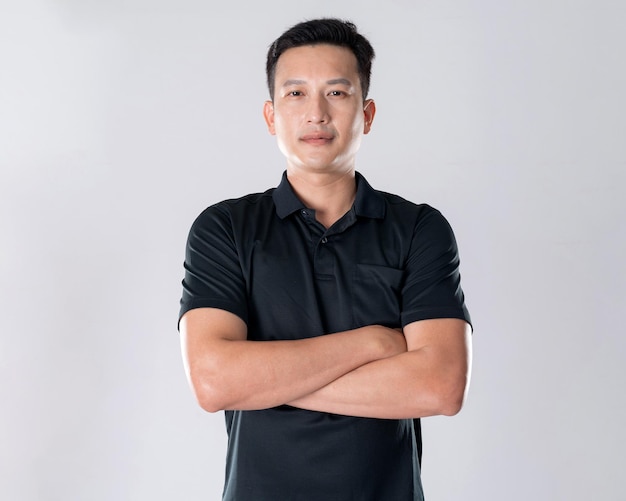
(342, 81)
(334, 81)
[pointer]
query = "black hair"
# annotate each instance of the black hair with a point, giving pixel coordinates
(323, 31)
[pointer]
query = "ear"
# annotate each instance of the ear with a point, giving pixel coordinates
(268, 114)
(369, 111)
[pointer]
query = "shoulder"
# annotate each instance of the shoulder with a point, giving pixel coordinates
(405, 211)
(419, 223)
(235, 209)
(252, 201)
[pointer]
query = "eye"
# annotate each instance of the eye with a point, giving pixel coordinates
(336, 93)
(295, 93)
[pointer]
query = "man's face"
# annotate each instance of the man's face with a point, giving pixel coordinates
(318, 114)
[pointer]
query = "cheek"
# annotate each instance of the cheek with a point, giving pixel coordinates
(358, 126)
(284, 122)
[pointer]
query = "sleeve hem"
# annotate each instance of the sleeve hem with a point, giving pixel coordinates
(433, 313)
(207, 302)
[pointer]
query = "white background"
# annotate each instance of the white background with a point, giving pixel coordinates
(120, 121)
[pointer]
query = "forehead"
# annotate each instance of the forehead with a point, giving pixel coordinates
(312, 60)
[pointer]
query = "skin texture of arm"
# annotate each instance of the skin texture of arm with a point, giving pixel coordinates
(431, 378)
(226, 371)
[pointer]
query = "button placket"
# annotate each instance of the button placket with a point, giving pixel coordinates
(324, 258)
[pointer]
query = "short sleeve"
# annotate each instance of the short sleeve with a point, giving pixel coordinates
(432, 285)
(213, 276)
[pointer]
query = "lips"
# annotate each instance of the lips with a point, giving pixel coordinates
(317, 138)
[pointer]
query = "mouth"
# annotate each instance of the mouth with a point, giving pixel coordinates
(317, 138)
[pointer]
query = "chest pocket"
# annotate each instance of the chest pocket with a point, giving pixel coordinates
(376, 295)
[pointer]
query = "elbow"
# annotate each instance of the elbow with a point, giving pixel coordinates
(209, 394)
(451, 397)
(451, 406)
(208, 401)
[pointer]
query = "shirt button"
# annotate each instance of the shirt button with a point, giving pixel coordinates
(324, 240)
(304, 213)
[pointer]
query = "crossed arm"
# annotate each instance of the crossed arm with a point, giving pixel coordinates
(372, 371)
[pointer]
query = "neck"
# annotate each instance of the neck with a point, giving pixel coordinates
(330, 195)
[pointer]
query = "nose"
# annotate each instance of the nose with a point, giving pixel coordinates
(317, 110)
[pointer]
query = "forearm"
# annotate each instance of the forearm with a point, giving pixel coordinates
(251, 375)
(409, 385)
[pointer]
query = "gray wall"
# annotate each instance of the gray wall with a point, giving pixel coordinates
(120, 121)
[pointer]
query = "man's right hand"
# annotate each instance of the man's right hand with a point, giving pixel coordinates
(390, 341)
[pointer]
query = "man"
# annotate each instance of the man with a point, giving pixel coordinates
(323, 316)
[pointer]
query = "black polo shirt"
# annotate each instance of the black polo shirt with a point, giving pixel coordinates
(265, 258)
